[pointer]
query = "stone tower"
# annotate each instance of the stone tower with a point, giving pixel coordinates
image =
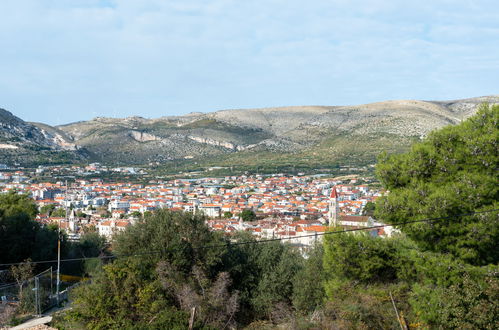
(334, 209)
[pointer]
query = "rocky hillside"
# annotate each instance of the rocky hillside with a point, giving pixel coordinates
(302, 134)
(29, 143)
(328, 131)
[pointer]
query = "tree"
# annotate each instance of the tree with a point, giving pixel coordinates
(45, 244)
(214, 304)
(358, 257)
(471, 304)
(276, 266)
(176, 236)
(185, 265)
(308, 286)
(25, 238)
(228, 215)
(106, 214)
(451, 270)
(248, 215)
(18, 231)
(124, 295)
(451, 173)
(90, 245)
(136, 214)
(446, 291)
(136, 290)
(369, 209)
(22, 273)
(58, 212)
(359, 273)
(14, 204)
(47, 209)
(81, 214)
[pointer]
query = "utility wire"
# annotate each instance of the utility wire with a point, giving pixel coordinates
(427, 220)
(348, 230)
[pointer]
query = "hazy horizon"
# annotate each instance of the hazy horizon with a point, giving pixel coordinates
(249, 109)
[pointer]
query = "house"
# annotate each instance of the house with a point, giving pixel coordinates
(211, 210)
(355, 221)
(118, 205)
(109, 227)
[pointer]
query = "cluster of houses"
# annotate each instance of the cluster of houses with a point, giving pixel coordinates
(23, 175)
(297, 208)
(305, 232)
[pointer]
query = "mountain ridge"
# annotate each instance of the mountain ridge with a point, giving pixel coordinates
(230, 133)
(25, 143)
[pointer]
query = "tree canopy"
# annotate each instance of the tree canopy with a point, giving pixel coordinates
(23, 237)
(248, 215)
(451, 173)
(170, 262)
(442, 273)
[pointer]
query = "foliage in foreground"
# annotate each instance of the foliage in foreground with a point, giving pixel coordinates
(24, 240)
(227, 284)
(453, 172)
(28, 239)
(441, 274)
(430, 289)
(349, 284)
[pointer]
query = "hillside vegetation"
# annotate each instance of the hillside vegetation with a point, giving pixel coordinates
(317, 135)
(307, 137)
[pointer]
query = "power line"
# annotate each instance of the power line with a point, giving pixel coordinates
(427, 220)
(351, 230)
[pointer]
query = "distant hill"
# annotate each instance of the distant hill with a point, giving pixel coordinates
(30, 143)
(316, 134)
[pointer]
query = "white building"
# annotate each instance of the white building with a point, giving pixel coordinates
(118, 205)
(109, 227)
(211, 210)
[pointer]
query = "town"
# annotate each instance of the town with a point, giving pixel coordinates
(295, 208)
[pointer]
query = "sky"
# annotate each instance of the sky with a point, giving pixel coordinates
(63, 61)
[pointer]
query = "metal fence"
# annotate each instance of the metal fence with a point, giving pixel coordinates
(34, 296)
(9, 293)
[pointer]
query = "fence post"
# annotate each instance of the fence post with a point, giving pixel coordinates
(37, 295)
(51, 282)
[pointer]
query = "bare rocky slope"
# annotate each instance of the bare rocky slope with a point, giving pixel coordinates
(302, 133)
(27, 143)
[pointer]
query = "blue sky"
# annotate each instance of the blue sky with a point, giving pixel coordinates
(68, 60)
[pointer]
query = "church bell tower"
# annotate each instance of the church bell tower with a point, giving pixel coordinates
(334, 209)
